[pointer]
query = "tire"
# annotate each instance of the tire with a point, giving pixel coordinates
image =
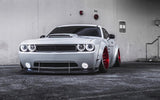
(118, 59)
(103, 68)
(21, 66)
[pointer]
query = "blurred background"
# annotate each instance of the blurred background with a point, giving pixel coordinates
(134, 22)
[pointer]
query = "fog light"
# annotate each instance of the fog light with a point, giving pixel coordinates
(84, 65)
(28, 65)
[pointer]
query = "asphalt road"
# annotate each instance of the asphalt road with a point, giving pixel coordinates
(131, 81)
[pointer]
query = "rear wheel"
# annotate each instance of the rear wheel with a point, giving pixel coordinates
(105, 61)
(118, 59)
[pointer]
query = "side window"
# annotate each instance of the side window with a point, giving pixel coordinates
(105, 33)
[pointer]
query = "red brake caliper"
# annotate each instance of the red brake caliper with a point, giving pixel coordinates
(106, 58)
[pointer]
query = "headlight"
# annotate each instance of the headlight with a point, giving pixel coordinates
(31, 47)
(23, 48)
(81, 47)
(90, 47)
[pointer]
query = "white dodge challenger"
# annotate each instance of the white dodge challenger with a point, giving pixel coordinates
(70, 49)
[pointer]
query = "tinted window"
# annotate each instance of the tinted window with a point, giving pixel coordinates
(79, 30)
(105, 33)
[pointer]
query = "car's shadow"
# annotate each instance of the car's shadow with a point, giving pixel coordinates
(65, 74)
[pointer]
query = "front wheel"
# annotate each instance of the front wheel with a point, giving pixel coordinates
(22, 67)
(105, 61)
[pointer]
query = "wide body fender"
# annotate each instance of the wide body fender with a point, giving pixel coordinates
(102, 45)
(115, 53)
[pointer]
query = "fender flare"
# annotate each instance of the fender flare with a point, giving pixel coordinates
(100, 52)
(115, 55)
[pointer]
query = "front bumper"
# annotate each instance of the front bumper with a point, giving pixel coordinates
(59, 57)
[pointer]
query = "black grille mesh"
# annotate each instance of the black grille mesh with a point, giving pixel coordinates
(50, 48)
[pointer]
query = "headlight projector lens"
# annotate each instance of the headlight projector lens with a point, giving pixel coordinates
(90, 47)
(32, 47)
(23, 48)
(81, 47)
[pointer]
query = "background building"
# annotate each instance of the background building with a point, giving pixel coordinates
(28, 19)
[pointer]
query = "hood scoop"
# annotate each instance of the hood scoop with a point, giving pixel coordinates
(62, 35)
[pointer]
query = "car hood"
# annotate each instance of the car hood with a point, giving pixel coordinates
(72, 40)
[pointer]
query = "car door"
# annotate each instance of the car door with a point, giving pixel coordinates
(110, 42)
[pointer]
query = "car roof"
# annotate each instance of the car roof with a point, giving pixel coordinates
(79, 25)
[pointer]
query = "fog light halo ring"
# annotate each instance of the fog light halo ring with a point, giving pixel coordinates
(28, 65)
(84, 65)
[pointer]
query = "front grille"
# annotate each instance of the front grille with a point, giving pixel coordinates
(42, 64)
(50, 48)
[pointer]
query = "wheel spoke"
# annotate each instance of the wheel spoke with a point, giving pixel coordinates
(105, 58)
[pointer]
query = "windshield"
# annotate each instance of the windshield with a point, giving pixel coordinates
(79, 30)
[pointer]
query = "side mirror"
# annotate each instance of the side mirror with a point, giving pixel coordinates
(42, 36)
(111, 36)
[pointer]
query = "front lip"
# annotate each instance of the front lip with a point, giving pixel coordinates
(78, 71)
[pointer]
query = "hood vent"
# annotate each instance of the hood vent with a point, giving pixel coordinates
(62, 35)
